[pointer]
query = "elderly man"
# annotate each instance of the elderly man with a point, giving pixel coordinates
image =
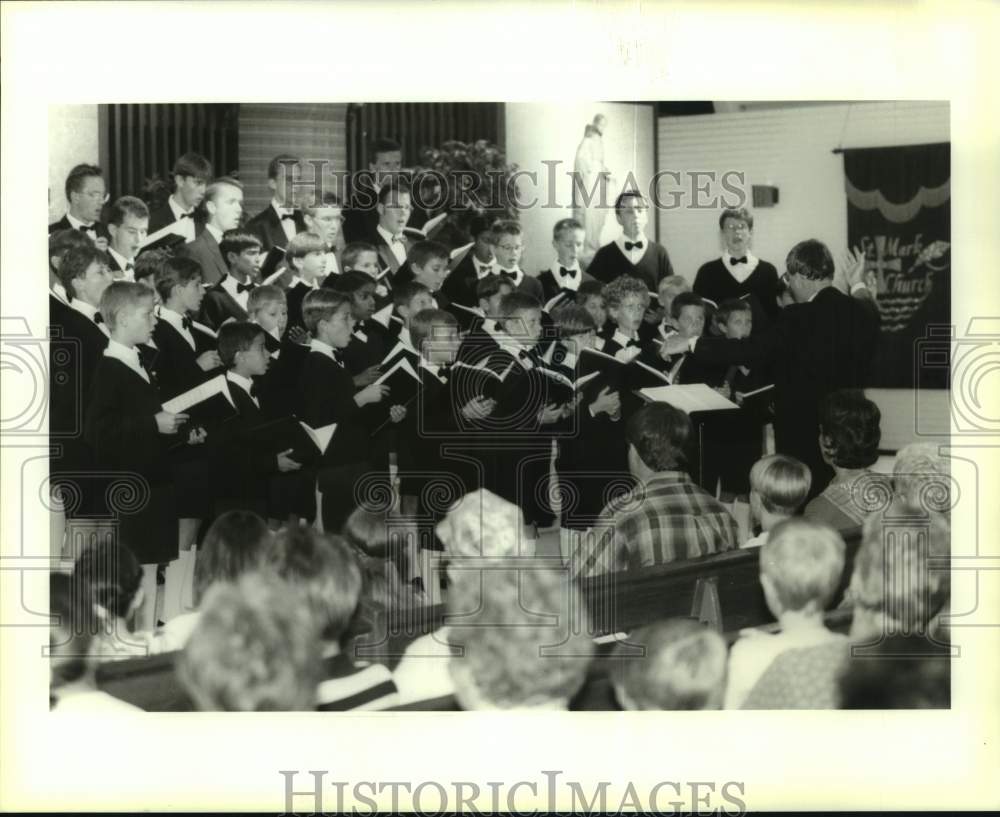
(666, 517)
(822, 342)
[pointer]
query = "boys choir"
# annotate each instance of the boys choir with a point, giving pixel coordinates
(386, 362)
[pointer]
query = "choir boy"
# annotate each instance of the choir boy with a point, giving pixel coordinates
(129, 432)
(409, 299)
(478, 342)
(370, 340)
(688, 313)
(227, 300)
(186, 349)
(362, 217)
(427, 264)
(363, 257)
(591, 297)
(632, 253)
(565, 275)
(508, 246)
(669, 288)
(278, 223)
(60, 242)
(191, 174)
(478, 263)
(306, 258)
(223, 206)
(128, 226)
(393, 208)
(323, 220)
(146, 266)
(86, 194)
(627, 300)
(326, 395)
(267, 308)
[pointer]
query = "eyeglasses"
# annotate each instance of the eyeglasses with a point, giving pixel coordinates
(510, 247)
(734, 227)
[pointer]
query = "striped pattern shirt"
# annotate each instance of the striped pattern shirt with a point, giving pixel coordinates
(347, 685)
(666, 519)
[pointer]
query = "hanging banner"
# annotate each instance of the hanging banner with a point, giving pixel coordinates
(899, 213)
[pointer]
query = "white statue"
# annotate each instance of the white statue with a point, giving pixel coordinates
(588, 168)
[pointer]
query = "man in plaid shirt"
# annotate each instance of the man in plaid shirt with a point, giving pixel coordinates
(666, 517)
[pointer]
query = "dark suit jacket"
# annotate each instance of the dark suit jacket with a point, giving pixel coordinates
(205, 250)
(63, 224)
(460, 285)
(160, 217)
(266, 225)
(386, 257)
(326, 395)
(218, 306)
(177, 366)
(814, 348)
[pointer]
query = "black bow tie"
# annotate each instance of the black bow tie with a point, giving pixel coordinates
(186, 322)
(129, 267)
(245, 287)
(98, 318)
(183, 216)
(85, 229)
(569, 273)
(290, 215)
(741, 260)
(633, 246)
(633, 342)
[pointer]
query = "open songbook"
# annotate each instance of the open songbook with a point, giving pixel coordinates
(430, 226)
(690, 397)
(477, 379)
(207, 404)
(461, 250)
(308, 445)
(633, 374)
(403, 381)
(169, 237)
(561, 388)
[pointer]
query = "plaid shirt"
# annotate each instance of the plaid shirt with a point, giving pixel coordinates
(667, 519)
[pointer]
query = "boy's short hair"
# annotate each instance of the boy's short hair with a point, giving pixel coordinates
(491, 285)
(61, 241)
(233, 545)
(237, 241)
(301, 244)
(121, 296)
(108, 574)
(423, 252)
(850, 428)
(76, 261)
(659, 432)
(176, 271)
(79, 175)
(352, 281)
(675, 284)
(261, 617)
(406, 292)
(588, 289)
(127, 206)
(781, 482)
(564, 225)
(625, 195)
(236, 337)
(739, 213)
(684, 299)
(322, 570)
(193, 164)
(263, 295)
(383, 145)
(921, 477)
(354, 250)
(624, 287)
(804, 561)
(391, 190)
(728, 307)
(216, 184)
(321, 305)
(426, 321)
(478, 225)
(683, 668)
(516, 301)
(504, 227)
(328, 199)
(811, 259)
(285, 160)
(572, 319)
(150, 262)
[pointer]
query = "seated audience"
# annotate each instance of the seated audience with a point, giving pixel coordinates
(255, 649)
(683, 667)
(778, 487)
(921, 480)
(849, 436)
(323, 572)
(666, 517)
(801, 564)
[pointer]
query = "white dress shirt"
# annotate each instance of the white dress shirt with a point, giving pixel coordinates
(740, 271)
(215, 232)
(59, 291)
(287, 224)
(124, 263)
(76, 224)
(176, 320)
(634, 255)
(128, 355)
(89, 311)
(242, 382)
(395, 243)
(324, 349)
(230, 284)
(184, 219)
(483, 270)
(296, 280)
(332, 267)
(516, 275)
(433, 368)
(570, 282)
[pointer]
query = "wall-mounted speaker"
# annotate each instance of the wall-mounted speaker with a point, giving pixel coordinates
(764, 196)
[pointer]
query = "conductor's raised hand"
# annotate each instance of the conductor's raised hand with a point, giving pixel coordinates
(852, 268)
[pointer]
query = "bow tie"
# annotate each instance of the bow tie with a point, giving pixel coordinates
(288, 214)
(397, 239)
(240, 288)
(633, 342)
(741, 260)
(129, 267)
(88, 228)
(568, 273)
(633, 246)
(184, 216)
(98, 318)
(186, 322)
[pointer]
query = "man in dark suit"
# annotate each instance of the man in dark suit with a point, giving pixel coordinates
(127, 225)
(393, 209)
(223, 204)
(228, 299)
(278, 223)
(191, 173)
(822, 342)
(86, 194)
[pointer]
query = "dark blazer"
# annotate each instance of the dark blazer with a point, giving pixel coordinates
(460, 285)
(63, 224)
(326, 395)
(160, 217)
(218, 306)
(266, 225)
(177, 366)
(551, 287)
(294, 296)
(386, 257)
(814, 349)
(205, 250)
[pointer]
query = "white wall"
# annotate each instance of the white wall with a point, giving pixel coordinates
(790, 148)
(545, 132)
(72, 141)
